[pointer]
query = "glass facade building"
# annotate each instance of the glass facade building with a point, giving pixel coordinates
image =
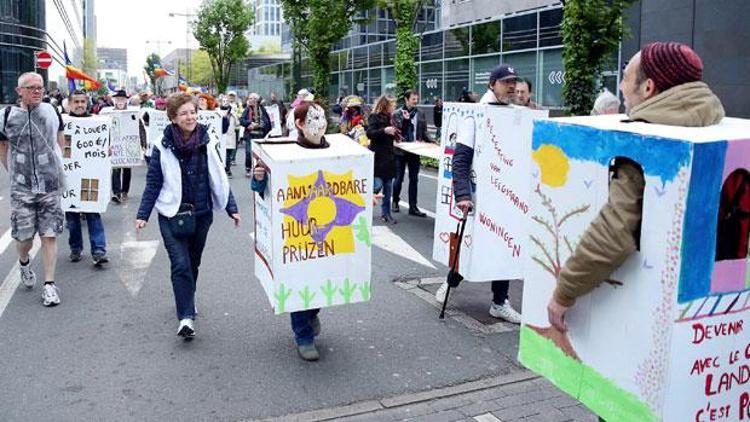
(449, 61)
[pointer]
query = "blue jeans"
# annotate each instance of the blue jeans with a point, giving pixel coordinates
(121, 180)
(185, 258)
(413, 162)
(387, 187)
(97, 238)
(303, 331)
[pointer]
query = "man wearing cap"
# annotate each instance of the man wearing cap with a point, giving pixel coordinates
(120, 177)
(501, 91)
(661, 85)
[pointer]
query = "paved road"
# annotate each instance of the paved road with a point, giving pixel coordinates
(109, 352)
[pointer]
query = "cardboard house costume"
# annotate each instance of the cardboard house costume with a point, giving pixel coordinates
(313, 224)
(501, 138)
(86, 164)
(666, 337)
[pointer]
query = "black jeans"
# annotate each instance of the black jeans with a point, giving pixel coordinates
(185, 258)
(413, 162)
(500, 291)
(121, 180)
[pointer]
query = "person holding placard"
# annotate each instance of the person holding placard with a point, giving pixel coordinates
(501, 91)
(311, 123)
(185, 183)
(98, 239)
(120, 177)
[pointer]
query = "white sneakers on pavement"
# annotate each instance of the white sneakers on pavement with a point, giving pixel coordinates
(50, 296)
(186, 329)
(27, 275)
(506, 312)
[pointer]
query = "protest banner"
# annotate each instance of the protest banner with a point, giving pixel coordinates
(501, 138)
(212, 120)
(275, 115)
(425, 149)
(86, 164)
(665, 337)
(125, 138)
(157, 122)
(313, 243)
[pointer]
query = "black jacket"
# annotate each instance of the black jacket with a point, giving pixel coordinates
(381, 144)
(265, 123)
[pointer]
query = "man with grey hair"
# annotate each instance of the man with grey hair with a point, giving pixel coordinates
(606, 103)
(33, 134)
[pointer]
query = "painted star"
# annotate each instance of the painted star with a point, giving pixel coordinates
(346, 211)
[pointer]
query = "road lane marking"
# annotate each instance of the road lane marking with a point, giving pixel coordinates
(5, 241)
(13, 279)
(136, 257)
(384, 238)
(428, 175)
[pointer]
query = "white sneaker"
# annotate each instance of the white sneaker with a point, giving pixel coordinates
(186, 328)
(27, 275)
(506, 312)
(441, 292)
(50, 296)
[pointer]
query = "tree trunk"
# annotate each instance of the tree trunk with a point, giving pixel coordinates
(321, 74)
(405, 67)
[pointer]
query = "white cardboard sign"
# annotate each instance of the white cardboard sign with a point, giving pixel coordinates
(126, 138)
(212, 119)
(666, 336)
(157, 122)
(502, 146)
(313, 230)
(86, 164)
(275, 115)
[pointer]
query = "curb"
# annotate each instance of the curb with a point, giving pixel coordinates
(370, 406)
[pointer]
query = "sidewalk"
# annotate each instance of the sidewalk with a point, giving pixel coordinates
(520, 396)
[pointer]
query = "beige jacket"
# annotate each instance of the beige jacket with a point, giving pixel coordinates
(611, 237)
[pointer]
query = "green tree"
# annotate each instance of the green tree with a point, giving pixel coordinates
(151, 61)
(591, 30)
(220, 31)
(316, 26)
(405, 14)
(200, 68)
(90, 62)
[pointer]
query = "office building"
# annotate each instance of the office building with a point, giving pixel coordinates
(33, 25)
(113, 58)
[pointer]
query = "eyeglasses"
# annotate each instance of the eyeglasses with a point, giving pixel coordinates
(34, 88)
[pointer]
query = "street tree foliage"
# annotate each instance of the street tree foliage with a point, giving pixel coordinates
(405, 14)
(220, 31)
(200, 69)
(90, 62)
(316, 25)
(152, 61)
(591, 30)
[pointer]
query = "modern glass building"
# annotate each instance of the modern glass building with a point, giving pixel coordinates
(449, 60)
(29, 26)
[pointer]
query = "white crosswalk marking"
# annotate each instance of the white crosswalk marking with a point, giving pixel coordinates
(384, 238)
(5, 241)
(13, 279)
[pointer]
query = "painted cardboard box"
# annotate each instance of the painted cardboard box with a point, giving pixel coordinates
(502, 142)
(666, 337)
(125, 137)
(313, 224)
(86, 164)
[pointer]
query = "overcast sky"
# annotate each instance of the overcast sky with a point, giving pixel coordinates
(130, 23)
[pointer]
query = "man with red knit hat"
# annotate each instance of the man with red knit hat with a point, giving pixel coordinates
(661, 85)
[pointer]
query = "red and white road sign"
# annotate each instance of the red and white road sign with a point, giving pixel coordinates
(43, 59)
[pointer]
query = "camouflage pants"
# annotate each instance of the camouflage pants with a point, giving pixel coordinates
(33, 213)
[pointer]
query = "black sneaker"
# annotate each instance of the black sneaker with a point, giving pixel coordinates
(416, 212)
(395, 208)
(99, 259)
(75, 256)
(116, 199)
(388, 219)
(308, 352)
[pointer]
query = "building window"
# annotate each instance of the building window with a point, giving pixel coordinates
(432, 46)
(456, 78)
(67, 147)
(519, 32)
(457, 42)
(549, 28)
(90, 190)
(485, 38)
(431, 81)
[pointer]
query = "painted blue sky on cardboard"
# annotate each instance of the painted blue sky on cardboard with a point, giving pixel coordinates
(660, 157)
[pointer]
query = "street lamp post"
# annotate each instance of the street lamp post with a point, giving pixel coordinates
(187, 16)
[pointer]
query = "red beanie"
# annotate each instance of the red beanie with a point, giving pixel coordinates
(671, 64)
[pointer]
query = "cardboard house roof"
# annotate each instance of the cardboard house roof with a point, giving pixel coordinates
(730, 128)
(286, 149)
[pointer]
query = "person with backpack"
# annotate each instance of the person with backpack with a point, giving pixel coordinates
(661, 85)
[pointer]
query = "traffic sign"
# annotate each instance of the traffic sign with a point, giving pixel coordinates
(43, 59)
